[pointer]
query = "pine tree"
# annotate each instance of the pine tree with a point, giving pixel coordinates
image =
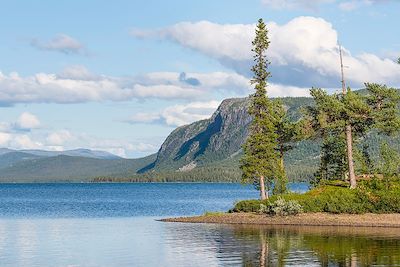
(288, 132)
(260, 159)
(331, 119)
(384, 103)
(390, 162)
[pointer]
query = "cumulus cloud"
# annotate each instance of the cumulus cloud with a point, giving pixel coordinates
(291, 4)
(59, 138)
(23, 141)
(346, 5)
(61, 43)
(76, 84)
(27, 121)
(303, 52)
(178, 115)
(77, 72)
(73, 86)
(4, 138)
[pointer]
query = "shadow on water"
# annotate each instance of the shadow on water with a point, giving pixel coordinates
(297, 246)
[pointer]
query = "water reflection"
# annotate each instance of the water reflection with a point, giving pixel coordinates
(143, 241)
(292, 246)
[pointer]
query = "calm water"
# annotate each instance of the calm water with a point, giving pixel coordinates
(115, 225)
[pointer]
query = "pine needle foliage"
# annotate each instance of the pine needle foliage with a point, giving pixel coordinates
(260, 159)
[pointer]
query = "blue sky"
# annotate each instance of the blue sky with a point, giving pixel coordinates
(120, 76)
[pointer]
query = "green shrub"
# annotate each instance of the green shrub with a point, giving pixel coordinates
(248, 206)
(282, 207)
(213, 213)
(374, 196)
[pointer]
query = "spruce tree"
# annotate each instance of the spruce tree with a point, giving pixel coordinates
(260, 159)
(288, 132)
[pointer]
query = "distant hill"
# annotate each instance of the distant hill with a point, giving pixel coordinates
(70, 169)
(71, 165)
(81, 152)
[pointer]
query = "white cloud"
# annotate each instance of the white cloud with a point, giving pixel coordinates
(120, 147)
(165, 91)
(76, 84)
(346, 5)
(61, 140)
(178, 115)
(60, 43)
(291, 4)
(303, 52)
(27, 121)
(4, 138)
(354, 4)
(52, 88)
(77, 72)
(143, 117)
(23, 141)
(58, 138)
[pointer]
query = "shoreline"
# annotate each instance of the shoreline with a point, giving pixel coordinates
(305, 219)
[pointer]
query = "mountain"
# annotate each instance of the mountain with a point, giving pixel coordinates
(10, 158)
(70, 165)
(211, 149)
(70, 168)
(219, 139)
(206, 150)
(81, 152)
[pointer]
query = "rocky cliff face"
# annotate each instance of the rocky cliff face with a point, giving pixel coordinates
(202, 142)
(218, 138)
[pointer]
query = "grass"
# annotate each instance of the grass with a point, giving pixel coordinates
(375, 196)
(213, 213)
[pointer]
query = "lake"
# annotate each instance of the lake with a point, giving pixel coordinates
(116, 225)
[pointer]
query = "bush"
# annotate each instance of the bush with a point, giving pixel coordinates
(248, 206)
(281, 207)
(375, 196)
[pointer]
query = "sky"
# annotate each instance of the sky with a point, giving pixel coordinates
(119, 76)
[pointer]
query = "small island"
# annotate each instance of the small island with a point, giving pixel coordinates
(351, 187)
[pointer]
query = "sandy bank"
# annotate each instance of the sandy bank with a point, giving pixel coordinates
(305, 219)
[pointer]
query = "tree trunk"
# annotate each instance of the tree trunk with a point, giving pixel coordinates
(264, 251)
(349, 142)
(263, 195)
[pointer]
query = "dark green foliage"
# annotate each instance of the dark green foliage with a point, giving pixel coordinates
(373, 196)
(214, 174)
(390, 162)
(333, 162)
(249, 205)
(287, 132)
(376, 110)
(364, 163)
(260, 158)
(384, 103)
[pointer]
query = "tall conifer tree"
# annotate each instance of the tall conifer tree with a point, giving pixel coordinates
(260, 161)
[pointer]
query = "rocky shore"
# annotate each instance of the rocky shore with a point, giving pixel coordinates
(305, 219)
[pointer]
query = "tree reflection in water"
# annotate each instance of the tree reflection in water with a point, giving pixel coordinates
(233, 245)
(321, 246)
